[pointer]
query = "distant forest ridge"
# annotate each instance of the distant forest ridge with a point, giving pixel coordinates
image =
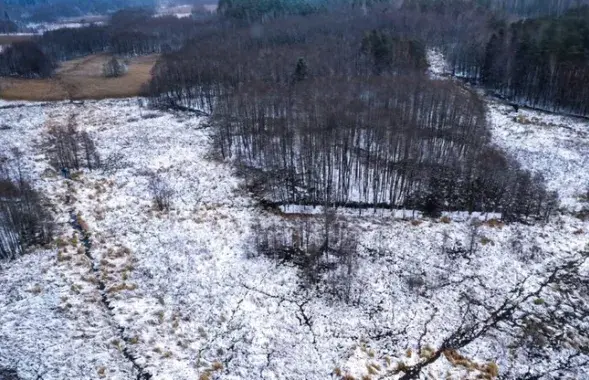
(268, 8)
(49, 10)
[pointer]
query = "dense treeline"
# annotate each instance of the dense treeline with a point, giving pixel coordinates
(337, 44)
(25, 59)
(265, 10)
(542, 62)
(534, 8)
(518, 8)
(336, 109)
(408, 142)
(130, 32)
(69, 42)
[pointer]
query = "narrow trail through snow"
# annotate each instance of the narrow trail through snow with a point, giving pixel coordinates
(142, 374)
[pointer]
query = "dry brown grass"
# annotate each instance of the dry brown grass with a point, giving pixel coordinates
(494, 223)
(489, 371)
(81, 79)
(445, 219)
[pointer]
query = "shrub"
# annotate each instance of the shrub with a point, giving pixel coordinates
(373, 368)
(485, 240)
(539, 301)
(8, 374)
(161, 192)
(61, 242)
(70, 149)
(495, 223)
(492, 369)
(114, 68)
(324, 250)
(217, 366)
(445, 219)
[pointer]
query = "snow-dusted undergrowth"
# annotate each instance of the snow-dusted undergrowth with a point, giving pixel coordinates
(553, 145)
(192, 301)
(52, 323)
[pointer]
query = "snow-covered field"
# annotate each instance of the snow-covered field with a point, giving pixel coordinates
(73, 23)
(553, 145)
(191, 299)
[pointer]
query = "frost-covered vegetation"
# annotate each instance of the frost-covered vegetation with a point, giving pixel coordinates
(302, 195)
(215, 285)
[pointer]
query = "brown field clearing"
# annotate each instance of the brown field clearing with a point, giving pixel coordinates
(80, 79)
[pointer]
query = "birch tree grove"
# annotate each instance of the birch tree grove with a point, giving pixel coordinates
(338, 109)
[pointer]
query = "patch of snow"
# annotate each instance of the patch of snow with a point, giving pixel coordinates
(555, 146)
(52, 325)
(438, 67)
(41, 28)
(18, 34)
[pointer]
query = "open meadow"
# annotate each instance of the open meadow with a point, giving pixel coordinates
(81, 79)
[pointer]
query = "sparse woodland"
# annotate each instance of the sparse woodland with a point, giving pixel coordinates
(25, 221)
(337, 109)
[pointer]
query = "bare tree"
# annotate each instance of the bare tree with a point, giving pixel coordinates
(114, 68)
(161, 192)
(325, 253)
(71, 149)
(89, 149)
